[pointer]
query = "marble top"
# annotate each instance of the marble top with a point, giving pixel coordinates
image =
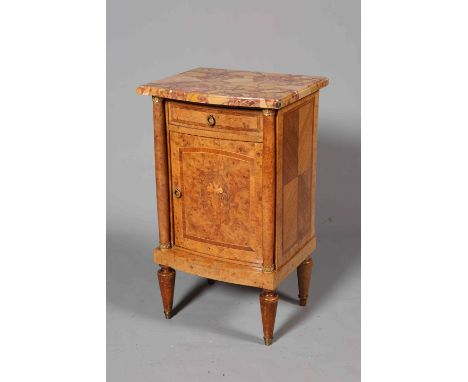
(235, 87)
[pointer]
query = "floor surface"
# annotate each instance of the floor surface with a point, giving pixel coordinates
(216, 333)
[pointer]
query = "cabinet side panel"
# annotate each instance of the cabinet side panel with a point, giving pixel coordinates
(296, 197)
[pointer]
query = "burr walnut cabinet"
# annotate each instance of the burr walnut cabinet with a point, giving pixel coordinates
(235, 156)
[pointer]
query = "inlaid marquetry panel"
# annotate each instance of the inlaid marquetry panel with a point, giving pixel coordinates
(244, 121)
(219, 211)
(215, 122)
(295, 224)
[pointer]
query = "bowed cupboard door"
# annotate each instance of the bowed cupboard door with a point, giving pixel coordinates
(217, 196)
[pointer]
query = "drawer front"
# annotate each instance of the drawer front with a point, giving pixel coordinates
(213, 121)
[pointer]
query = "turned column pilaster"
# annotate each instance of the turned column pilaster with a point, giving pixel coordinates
(162, 172)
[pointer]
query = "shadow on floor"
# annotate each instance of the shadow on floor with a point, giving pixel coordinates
(333, 259)
(191, 296)
(132, 284)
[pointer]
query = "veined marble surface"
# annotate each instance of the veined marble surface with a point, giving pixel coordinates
(235, 87)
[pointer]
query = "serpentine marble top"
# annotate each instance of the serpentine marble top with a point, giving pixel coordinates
(234, 87)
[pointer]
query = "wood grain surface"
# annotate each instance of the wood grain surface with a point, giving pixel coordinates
(162, 171)
(220, 210)
(295, 202)
(268, 306)
(304, 273)
(166, 278)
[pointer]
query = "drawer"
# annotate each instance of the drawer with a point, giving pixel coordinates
(212, 121)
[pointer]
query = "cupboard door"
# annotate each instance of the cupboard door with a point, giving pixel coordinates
(217, 196)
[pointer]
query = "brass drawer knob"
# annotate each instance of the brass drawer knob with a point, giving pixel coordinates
(177, 193)
(211, 120)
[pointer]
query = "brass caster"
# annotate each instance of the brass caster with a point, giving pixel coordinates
(168, 315)
(303, 302)
(268, 341)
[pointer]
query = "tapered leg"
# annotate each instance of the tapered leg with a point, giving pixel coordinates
(268, 304)
(166, 277)
(304, 272)
(210, 281)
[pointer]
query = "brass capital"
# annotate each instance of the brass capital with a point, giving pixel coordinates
(308, 261)
(157, 99)
(270, 268)
(268, 112)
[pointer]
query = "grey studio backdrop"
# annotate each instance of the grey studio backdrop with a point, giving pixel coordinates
(216, 332)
